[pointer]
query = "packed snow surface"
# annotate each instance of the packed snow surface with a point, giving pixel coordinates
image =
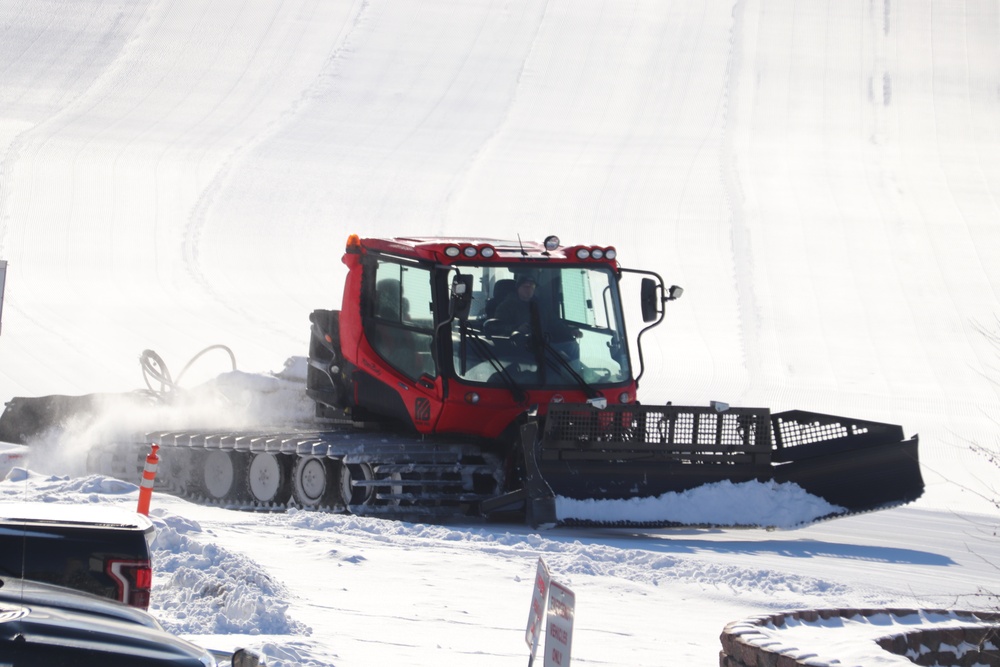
(821, 177)
(317, 589)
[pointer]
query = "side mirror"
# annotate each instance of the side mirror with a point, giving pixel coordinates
(461, 296)
(649, 300)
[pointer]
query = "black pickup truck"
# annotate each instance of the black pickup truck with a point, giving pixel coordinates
(103, 550)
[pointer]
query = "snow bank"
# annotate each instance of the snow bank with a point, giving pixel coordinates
(201, 587)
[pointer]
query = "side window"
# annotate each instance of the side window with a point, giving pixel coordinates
(578, 303)
(402, 318)
(416, 284)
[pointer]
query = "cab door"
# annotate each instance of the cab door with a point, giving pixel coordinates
(400, 330)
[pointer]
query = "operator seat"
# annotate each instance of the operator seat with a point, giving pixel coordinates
(388, 301)
(501, 290)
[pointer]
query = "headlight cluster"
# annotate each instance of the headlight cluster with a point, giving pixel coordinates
(595, 253)
(470, 251)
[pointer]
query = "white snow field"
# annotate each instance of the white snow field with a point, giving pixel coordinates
(823, 179)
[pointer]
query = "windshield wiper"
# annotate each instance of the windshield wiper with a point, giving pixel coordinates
(487, 352)
(545, 352)
(553, 355)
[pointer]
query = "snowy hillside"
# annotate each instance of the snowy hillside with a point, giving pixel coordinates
(821, 177)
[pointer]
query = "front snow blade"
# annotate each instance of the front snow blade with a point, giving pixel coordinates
(625, 453)
(859, 465)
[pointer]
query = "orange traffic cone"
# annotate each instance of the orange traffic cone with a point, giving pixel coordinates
(148, 475)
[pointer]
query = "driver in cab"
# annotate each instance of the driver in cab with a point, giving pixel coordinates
(519, 311)
(514, 312)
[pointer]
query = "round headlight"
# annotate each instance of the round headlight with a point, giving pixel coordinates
(610, 253)
(487, 251)
(452, 251)
(582, 253)
(624, 397)
(597, 253)
(469, 251)
(551, 242)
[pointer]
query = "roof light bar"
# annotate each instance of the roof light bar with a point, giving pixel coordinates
(582, 252)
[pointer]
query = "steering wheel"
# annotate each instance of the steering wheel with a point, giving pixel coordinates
(521, 339)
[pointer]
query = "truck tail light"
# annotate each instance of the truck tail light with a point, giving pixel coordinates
(133, 580)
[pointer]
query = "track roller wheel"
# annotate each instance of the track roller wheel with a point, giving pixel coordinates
(312, 482)
(122, 463)
(348, 474)
(177, 472)
(268, 478)
(221, 475)
(396, 489)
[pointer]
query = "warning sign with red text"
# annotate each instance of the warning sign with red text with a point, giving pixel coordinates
(559, 625)
(539, 597)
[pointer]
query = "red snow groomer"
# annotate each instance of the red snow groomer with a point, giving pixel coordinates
(476, 376)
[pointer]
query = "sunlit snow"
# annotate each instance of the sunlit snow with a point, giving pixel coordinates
(821, 177)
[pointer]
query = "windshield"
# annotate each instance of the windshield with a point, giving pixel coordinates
(550, 327)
